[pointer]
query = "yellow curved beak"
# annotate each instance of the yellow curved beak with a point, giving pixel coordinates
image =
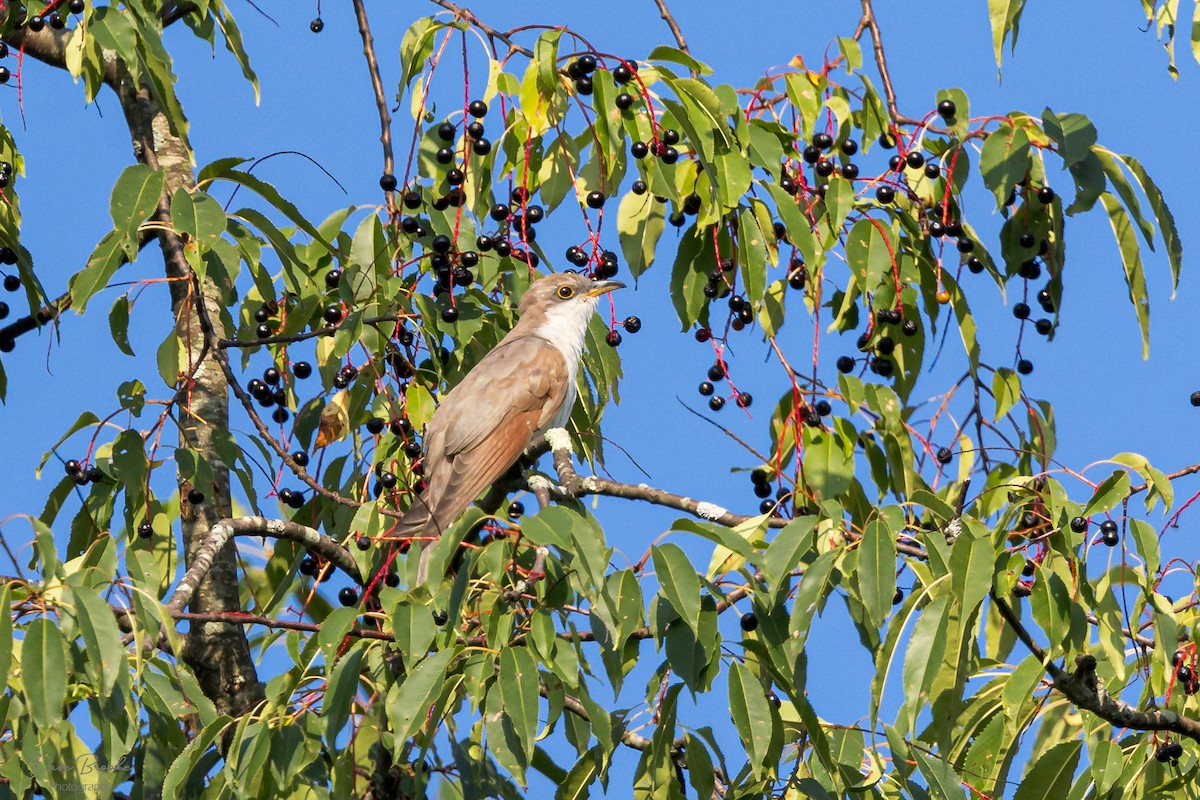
(604, 287)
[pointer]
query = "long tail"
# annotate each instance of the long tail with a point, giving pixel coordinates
(418, 523)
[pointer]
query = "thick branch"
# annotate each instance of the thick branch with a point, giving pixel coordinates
(870, 23)
(1086, 691)
(202, 559)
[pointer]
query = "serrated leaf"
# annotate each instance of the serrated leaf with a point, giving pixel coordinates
(408, 703)
(678, 582)
(1006, 390)
(118, 324)
(752, 255)
(1131, 260)
(44, 671)
(868, 254)
(518, 686)
(101, 637)
(110, 253)
(135, 199)
(1074, 133)
(197, 215)
(1004, 160)
(877, 569)
(1050, 772)
(640, 223)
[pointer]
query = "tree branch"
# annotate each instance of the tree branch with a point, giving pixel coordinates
(668, 18)
(1086, 691)
(220, 533)
(385, 120)
(468, 16)
(870, 23)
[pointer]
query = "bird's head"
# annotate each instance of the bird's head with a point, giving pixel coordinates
(564, 294)
(558, 307)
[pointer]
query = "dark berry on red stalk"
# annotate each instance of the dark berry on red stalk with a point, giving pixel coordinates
(73, 467)
(347, 596)
(412, 200)
(845, 364)
(332, 314)
(477, 108)
(850, 171)
(1196, 399)
(308, 565)
(849, 147)
(1026, 240)
(613, 339)
(387, 182)
(595, 200)
(12, 283)
(882, 367)
(516, 509)
(633, 324)
(263, 331)
(914, 159)
(716, 372)
(622, 74)
(1043, 326)
(1108, 526)
(933, 171)
(1021, 311)
(36, 23)
(944, 456)
(280, 415)
(824, 168)
(748, 622)
(965, 245)
(639, 187)
(449, 315)
(334, 277)
(624, 101)
(302, 369)
(195, 496)
(639, 149)
(375, 426)
(716, 403)
(975, 265)
(1025, 366)
(936, 229)
(1079, 524)
(455, 176)
(481, 147)
(946, 109)
(475, 130)
(301, 458)
(584, 85)
(1045, 195)
(744, 399)
(441, 244)
(670, 136)
(261, 314)
(822, 140)
(909, 328)
(885, 346)
(4, 74)
(885, 194)
(145, 530)
(75, 6)
(669, 155)
(440, 617)
(703, 335)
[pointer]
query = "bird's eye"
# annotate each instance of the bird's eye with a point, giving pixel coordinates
(566, 292)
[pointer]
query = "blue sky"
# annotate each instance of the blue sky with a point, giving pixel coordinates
(316, 100)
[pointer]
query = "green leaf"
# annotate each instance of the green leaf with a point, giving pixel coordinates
(1131, 260)
(102, 264)
(44, 671)
(640, 223)
(577, 785)
(233, 43)
(679, 583)
(1004, 160)
(868, 254)
(408, 703)
(1051, 771)
(787, 550)
(694, 259)
(1006, 389)
(752, 255)
(1074, 133)
(135, 199)
(877, 569)
(1005, 17)
(101, 636)
(340, 692)
(944, 782)
(223, 170)
(118, 324)
(757, 725)
(828, 469)
(518, 686)
(197, 215)
(1166, 220)
(676, 56)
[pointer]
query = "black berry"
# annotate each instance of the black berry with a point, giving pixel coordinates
(347, 596)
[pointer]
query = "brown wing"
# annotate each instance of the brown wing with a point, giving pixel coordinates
(483, 426)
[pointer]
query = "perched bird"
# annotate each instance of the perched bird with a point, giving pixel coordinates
(524, 387)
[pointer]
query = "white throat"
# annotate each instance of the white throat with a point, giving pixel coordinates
(565, 327)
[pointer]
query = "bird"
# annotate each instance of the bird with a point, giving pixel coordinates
(520, 389)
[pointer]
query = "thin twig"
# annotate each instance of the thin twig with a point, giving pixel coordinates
(468, 16)
(385, 119)
(669, 18)
(870, 23)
